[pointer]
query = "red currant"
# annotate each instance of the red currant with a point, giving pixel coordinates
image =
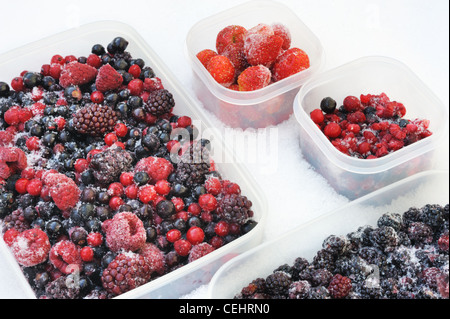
(182, 247)
(317, 116)
(97, 97)
(126, 178)
(21, 185)
(147, 193)
(87, 254)
(94, 239)
(135, 86)
(135, 70)
(173, 235)
(222, 228)
(34, 187)
(195, 235)
(162, 187)
(110, 139)
(131, 191)
(207, 202)
(81, 165)
(121, 129)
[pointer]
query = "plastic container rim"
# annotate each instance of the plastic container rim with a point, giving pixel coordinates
(357, 165)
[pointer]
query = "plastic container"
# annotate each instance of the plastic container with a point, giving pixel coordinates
(270, 105)
(353, 177)
(79, 41)
(430, 187)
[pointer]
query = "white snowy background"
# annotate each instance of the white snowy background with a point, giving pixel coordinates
(416, 32)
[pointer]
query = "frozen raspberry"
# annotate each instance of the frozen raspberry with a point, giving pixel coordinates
(154, 256)
(229, 35)
(222, 70)
(126, 272)
(340, 286)
(14, 158)
(76, 73)
(157, 168)
(31, 247)
(152, 84)
(64, 255)
(254, 78)
(199, 250)
(125, 231)
(290, 62)
(108, 78)
(63, 190)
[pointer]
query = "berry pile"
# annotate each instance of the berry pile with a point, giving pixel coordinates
(102, 187)
(248, 60)
(367, 127)
(404, 257)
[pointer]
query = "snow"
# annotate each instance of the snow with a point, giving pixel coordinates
(412, 31)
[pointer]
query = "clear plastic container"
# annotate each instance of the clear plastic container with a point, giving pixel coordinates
(353, 177)
(270, 105)
(79, 41)
(429, 187)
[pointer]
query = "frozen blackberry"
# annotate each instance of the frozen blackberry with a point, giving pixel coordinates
(324, 259)
(125, 272)
(319, 292)
(340, 286)
(16, 220)
(109, 164)
(357, 269)
(62, 288)
(335, 244)
(234, 208)
(299, 289)
(159, 102)
(420, 233)
(194, 164)
(256, 286)
(278, 283)
(393, 220)
(95, 120)
(385, 238)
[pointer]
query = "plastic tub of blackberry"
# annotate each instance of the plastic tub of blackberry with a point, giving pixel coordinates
(428, 187)
(79, 41)
(354, 177)
(264, 107)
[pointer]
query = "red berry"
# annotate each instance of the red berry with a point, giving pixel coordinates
(97, 97)
(222, 70)
(110, 139)
(173, 235)
(354, 128)
(11, 116)
(10, 235)
(131, 191)
(195, 235)
(115, 189)
(57, 59)
(332, 130)
(135, 70)
(135, 86)
(162, 187)
(115, 202)
(55, 70)
(120, 129)
(94, 60)
(81, 165)
(317, 116)
(182, 247)
(147, 193)
(213, 186)
(21, 185)
(290, 62)
(205, 55)
(254, 78)
(126, 178)
(94, 239)
(352, 104)
(32, 143)
(179, 203)
(34, 187)
(228, 35)
(207, 202)
(184, 121)
(70, 58)
(194, 209)
(216, 242)
(17, 84)
(87, 254)
(222, 228)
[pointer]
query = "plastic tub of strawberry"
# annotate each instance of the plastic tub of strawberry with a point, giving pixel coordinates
(389, 244)
(369, 123)
(250, 61)
(107, 187)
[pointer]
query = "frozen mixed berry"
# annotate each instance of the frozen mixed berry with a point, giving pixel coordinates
(100, 181)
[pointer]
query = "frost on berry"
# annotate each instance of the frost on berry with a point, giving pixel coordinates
(125, 231)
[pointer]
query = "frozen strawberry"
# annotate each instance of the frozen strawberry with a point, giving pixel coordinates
(290, 62)
(157, 168)
(228, 35)
(262, 49)
(31, 247)
(63, 190)
(205, 55)
(254, 78)
(282, 31)
(76, 73)
(235, 53)
(125, 231)
(108, 79)
(222, 70)
(261, 28)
